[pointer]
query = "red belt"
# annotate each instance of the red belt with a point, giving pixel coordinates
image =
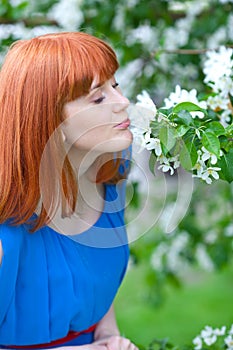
(70, 336)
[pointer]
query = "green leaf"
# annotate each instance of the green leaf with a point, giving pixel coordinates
(183, 117)
(226, 165)
(167, 136)
(217, 128)
(165, 111)
(152, 162)
(182, 129)
(188, 155)
(188, 106)
(211, 142)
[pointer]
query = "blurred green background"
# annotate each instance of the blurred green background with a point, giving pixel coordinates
(205, 299)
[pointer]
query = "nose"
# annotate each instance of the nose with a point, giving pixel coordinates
(120, 102)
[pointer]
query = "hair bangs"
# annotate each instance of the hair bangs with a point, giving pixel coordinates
(90, 58)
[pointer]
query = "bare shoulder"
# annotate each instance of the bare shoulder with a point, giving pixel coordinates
(1, 251)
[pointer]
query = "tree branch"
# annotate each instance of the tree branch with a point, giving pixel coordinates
(185, 51)
(29, 22)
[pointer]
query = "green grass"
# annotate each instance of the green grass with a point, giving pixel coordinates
(206, 299)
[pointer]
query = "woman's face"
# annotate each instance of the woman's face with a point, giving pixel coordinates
(98, 121)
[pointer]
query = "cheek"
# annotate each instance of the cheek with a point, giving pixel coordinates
(105, 139)
(94, 122)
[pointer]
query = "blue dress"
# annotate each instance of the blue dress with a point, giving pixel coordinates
(51, 284)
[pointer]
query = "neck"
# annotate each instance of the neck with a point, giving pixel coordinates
(87, 164)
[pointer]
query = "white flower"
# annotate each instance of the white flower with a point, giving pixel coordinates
(138, 139)
(211, 171)
(218, 64)
(220, 331)
(165, 164)
(153, 143)
(210, 340)
(218, 101)
(229, 342)
(200, 166)
(198, 343)
(207, 332)
(182, 95)
(145, 101)
(231, 330)
(208, 155)
(225, 117)
(175, 161)
(165, 168)
(225, 86)
(140, 119)
(141, 114)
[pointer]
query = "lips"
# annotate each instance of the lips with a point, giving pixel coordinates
(124, 125)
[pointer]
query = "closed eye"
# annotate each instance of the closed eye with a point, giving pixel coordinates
(115, 85)
(99, 100)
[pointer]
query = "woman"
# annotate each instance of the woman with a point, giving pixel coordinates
(64, 143)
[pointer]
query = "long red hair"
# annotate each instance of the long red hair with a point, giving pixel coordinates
(38, 76)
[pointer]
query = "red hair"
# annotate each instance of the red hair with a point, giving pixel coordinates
(38, 76)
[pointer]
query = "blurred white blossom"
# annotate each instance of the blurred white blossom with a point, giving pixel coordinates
(169, 254)
(210, 336)
(144, 34)
(219, 37)
(67, 13)
(230, 26)
(197, 342)
(15, 3)
(220, 331)
(229, 342)
(17, 31)
(229, 233)
(211, 237)
(127, 75)
(206, 263)
(119, 19)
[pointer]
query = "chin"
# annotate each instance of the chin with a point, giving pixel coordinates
(122, 143)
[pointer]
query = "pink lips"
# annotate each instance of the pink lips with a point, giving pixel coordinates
(124, 125)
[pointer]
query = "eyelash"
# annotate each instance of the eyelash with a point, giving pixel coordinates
(115, 85)
(99, 100)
